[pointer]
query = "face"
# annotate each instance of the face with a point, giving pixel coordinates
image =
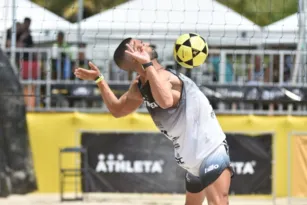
(136, 44)
(60, 38)
(27, 24)
(130, 64)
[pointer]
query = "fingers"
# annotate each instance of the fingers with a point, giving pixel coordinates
(129, 52)
(93, 66)
(130, 48)
(133, 55)
(81, 70)
(81, 73)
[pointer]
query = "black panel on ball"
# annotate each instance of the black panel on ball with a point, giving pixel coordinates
(195, 52)
(205, 51)
(187, 43)
(178, 59)
(177, 46)
(192, 34)
(190, 62)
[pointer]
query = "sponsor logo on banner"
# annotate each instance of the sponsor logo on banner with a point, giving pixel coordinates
(115, 163)
(243, 168)
(122, 162)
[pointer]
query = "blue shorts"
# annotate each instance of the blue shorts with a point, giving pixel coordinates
(210, 169)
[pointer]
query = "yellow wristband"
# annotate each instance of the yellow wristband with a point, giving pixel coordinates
(99, 79)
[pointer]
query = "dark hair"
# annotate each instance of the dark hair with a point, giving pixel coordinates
(119, 53)
(61, 33)
(82, 45)
(27, 19)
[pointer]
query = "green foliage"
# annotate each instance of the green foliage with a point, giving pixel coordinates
(263, 12)
(69, 8)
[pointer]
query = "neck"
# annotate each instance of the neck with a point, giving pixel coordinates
(156, 65)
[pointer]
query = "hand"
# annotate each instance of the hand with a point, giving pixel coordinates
(85, 74)
(140, 55)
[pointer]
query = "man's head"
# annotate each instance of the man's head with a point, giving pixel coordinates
(81, 54)
(60, 38)
(27, 23)
(126, 62)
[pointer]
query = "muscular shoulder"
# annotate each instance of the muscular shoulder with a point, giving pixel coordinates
(174, 80)
(168, 75)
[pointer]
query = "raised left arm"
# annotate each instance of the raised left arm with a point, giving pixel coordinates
(161, 86)
(159, 80)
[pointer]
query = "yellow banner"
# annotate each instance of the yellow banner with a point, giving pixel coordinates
(299, 166)
(51, 131)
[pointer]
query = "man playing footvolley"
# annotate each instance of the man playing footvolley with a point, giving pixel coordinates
(180, 111)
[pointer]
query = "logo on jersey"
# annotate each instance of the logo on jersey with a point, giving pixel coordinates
(175, 142)
(152, 105)
(110, 164)
(243, 168)
(176, 145)
(179, 159)
(211, 168)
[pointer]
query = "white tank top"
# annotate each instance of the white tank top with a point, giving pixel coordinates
(192, 126)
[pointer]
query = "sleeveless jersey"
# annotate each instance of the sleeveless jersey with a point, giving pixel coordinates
(191, 125)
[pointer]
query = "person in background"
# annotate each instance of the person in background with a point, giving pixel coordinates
(61, 59)
(8, 42)
(215, 60)
(23, 35)
(26, 61)
(260, 72)
(26, 37)
(289, 62)
(81, 60)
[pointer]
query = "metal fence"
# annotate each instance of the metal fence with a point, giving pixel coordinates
(49, 84)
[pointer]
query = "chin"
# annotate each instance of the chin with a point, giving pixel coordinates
(153, 55)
